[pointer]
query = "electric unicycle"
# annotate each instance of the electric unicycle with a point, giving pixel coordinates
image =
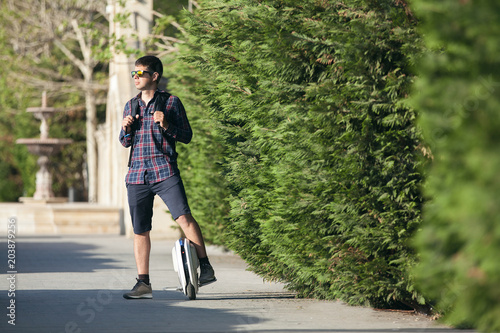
(186, 265)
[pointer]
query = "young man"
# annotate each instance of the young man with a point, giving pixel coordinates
(152, 135)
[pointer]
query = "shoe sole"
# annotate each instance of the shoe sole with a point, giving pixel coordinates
(145, 296)
(200, 284)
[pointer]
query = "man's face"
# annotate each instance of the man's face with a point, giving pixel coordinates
(146, 80)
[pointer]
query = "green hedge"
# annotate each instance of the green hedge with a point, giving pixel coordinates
(319, 150)
(458, 95)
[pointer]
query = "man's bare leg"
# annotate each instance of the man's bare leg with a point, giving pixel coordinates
(193, 232)
(142, 250)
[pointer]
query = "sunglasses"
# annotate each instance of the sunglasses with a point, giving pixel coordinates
(140, 73)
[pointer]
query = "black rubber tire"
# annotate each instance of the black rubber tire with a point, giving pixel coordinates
(191, 292)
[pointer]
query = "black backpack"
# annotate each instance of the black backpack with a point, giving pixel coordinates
(160, 105)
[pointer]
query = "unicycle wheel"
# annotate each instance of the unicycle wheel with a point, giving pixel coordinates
(191, 291)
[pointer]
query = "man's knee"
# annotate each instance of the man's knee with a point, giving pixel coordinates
(185, 220)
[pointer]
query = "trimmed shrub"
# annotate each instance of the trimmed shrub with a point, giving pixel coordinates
(320, 149)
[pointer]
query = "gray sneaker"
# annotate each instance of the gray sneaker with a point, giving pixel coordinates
(207, 274)
(140, 290)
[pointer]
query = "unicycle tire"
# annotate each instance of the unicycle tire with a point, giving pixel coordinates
(191, 291)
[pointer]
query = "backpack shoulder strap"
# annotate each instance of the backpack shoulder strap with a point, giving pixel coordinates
(135, 110)
(161, 101)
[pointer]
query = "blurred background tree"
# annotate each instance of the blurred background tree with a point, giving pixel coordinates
(16, 163)
(457, 93)
(63, 47)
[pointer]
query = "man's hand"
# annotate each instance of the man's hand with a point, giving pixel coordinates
(159, 118)
(127, 123)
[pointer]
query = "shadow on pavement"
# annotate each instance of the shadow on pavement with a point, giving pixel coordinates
(385, 330)
(78, 311)
(47, 257)
(107, 311)
(247, 296)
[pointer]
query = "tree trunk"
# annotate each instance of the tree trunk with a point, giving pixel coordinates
(91, 127)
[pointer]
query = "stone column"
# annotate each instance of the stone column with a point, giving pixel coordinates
(112, 156)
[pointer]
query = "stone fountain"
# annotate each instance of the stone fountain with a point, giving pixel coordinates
(44, 147)
(46, 214)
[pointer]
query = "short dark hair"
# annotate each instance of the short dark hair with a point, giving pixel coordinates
(152, 63)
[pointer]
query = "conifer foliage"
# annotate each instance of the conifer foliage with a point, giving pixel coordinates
(320, 151)
(457, 93)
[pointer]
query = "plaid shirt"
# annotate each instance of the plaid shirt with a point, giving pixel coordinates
(154, 148)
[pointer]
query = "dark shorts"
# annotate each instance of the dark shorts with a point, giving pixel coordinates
(141, 197)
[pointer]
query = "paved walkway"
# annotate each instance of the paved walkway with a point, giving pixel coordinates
(75, 284)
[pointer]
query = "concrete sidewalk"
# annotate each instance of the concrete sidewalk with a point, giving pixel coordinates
(75, 284)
